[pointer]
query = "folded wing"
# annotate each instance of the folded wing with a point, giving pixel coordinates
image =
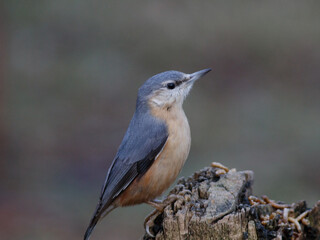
(142, 142)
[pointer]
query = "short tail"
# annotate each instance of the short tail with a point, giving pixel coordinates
(92, 225)
(99, 214)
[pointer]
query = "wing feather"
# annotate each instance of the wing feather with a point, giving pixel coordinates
(142, 142)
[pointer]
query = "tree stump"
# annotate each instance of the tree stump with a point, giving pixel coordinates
(217, 204)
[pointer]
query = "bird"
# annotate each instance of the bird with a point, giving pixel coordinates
(154, 147)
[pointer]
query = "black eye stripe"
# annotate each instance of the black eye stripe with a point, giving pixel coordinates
(178, 83)
(172, 85)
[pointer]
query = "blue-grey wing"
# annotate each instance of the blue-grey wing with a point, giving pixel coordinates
(142, 142)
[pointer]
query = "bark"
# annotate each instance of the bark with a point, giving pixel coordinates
(218, 205)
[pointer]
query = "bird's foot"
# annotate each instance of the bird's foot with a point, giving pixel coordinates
(160, 205)
(149, 221)
(159, 208)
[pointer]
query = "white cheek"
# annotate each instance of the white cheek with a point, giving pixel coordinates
(176, 95)
(157, 101)
(186, 90)
(164, 98)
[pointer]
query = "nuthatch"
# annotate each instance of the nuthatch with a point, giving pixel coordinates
(154, 148)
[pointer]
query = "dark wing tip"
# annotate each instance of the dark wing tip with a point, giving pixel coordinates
(93, 223)
(101, 211)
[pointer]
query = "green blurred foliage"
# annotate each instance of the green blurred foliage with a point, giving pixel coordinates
(70, 71)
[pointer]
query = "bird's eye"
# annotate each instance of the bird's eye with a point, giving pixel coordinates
(171, 85)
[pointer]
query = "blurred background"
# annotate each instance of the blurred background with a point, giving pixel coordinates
(69, 75)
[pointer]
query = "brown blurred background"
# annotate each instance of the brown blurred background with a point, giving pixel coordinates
(69, 74)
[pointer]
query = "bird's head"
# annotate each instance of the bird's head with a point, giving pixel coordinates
(168, 88)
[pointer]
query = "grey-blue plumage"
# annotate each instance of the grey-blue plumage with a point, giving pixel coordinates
(145, 138)
(135, 155)
(155, 83)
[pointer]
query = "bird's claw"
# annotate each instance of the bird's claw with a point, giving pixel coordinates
(159, 208)
(149, 221)
(148, 231)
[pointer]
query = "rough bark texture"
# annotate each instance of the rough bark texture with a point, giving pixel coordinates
(213, 206)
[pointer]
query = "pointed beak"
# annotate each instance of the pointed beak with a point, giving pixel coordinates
(195, 76)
